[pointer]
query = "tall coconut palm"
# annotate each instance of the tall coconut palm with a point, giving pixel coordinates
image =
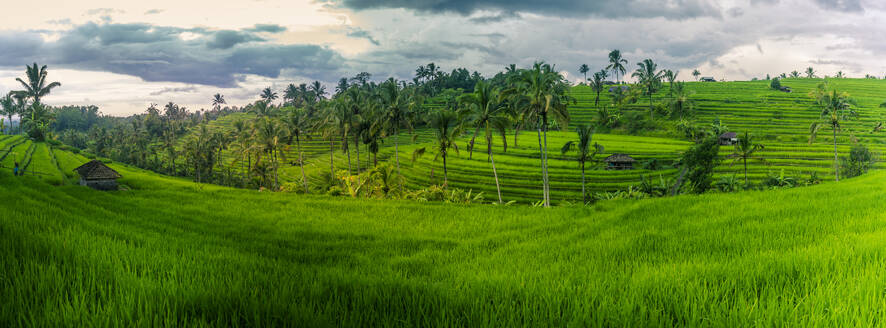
(835, 108)
(584, 69)
(318, 90)
(597, 84)
(446, 131)
(795, 74)
(396, 113)
(545, 95)
(8, 108)
(584, 152)
(810, 73)
(270, 136)
(297, 127)
(696, 74)
(217, 101)
(617, 63)
(680, 103)
(484, 110)
(342, 86)
(291, 95)
(36, 87)
(649, 77)
(746, 149)
(268, 95)
(671, 76)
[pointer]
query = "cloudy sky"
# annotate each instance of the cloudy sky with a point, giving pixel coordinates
(123, 57)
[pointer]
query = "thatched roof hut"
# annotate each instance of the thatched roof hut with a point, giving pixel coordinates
(619, 162)
(728, 138)
(97, 175)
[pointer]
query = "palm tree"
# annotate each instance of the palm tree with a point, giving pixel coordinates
(696, 74)
(291, 95)
(36, 86)
(835, 107)
(446, 130)
(297, 126)
(484, 110)
(584, 151)
(810, 73)
(795, 74)
(269, 134)
(268, 95)
(744, 150)
(839, 75)
(318, 90)
(8, 108)
(396, 109)
(545, 95)
(342, 86)
(617, 63)
(217, 101)
(680, 102)
(261, 109)
(671, 76)
(584, 69)
(648, 76)
(597, 85)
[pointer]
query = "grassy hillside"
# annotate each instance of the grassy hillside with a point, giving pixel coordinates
(778, 120)
(169, 252)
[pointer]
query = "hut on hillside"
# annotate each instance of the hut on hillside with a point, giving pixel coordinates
(728, 138)
(97, 175)
(708, 79)
(619, 162)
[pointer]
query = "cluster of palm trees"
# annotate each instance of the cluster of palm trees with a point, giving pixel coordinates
(649, 81)
(364, 114)
(34, 117)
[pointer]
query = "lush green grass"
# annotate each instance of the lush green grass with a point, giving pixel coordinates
(170, 252)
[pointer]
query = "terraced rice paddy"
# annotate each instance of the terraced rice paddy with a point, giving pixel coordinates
(169, 252)
(778, 120)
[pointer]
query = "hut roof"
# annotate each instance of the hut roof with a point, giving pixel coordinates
(619, 158)
(728, 135)
(96, 170)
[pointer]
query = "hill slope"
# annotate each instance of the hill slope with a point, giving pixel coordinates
(169, 252)
(778, 120)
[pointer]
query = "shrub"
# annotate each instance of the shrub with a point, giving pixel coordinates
(860, 160)
(700, 161)
(775, 84)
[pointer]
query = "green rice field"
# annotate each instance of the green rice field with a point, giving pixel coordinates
(169, 252)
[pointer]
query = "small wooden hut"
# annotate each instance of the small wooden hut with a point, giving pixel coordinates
(619, 162)
(728, 138)
(97, 175)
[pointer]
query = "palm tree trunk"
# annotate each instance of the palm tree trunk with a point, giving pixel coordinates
(836, 165)
(494, 172)
(357, 146)
(544, 130)
(301, 164)
(651, 109)
(344, 141)
(584, 197)
(276, 176)
(516, 132)
(471, 146)
(445, 175)
(331, 154)
(544, 186)
(397, 157)
(745, 171)
(597, 100)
